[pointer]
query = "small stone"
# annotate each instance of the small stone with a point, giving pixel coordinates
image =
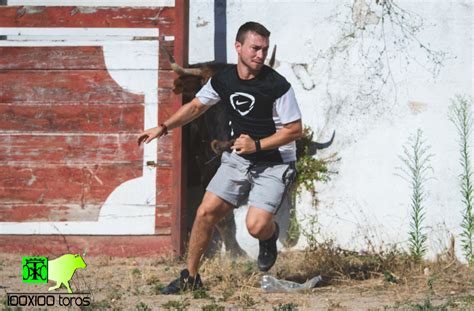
(426, 271)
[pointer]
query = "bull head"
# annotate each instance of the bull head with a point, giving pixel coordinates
(187, 76)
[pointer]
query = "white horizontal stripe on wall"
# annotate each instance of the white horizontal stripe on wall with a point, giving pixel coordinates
(98, 3)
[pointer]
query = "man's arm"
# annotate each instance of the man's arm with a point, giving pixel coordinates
(182, 116)
(288, 133)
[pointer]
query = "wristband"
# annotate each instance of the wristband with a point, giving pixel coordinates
(258, 147)
(164, 129)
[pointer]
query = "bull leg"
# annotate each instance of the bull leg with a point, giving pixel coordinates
(68, 287)
(290, 230)
(58, 284)
(227, 230)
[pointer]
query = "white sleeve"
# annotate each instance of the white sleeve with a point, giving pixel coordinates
(207, 95)
(287, 107)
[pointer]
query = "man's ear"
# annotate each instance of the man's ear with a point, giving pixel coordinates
(238, 46)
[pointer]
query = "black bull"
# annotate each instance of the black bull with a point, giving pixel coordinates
(205, 139)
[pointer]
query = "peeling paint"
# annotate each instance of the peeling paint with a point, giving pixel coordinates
(95, 176)
(201, 22)
(303, 76)
(31, 181)
(417, 107)
(33, 10)
(74, 11)
(40, 199)
(362, 15)
(87, 10)
(20, 12)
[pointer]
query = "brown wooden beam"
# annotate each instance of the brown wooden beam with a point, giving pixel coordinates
(178, 229)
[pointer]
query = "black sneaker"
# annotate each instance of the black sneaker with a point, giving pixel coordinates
(183, 283)
(268, 251)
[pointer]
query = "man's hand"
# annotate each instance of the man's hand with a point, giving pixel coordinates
(244, 145)
(150, 134)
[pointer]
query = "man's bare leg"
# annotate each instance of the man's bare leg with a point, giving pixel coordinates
(261, 225)
(209, 213)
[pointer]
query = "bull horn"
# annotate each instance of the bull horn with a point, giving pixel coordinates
(271, 62)
(186, 71)
(177, 68)
(315, 146)
(219, 146)
(214, 146)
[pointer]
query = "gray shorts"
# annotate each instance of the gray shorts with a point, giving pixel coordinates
(263, 184)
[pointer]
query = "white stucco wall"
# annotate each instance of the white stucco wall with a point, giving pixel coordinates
(367, 199)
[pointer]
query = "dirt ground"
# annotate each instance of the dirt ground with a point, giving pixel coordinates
(134, 284)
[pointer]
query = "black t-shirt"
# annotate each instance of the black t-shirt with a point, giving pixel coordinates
(257, 107)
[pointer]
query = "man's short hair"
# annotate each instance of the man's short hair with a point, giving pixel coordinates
(254, 27)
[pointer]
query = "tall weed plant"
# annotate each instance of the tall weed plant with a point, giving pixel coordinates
(460, 114)
(416, 158)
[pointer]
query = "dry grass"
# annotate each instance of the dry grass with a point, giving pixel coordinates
(351, 281)
(408, 280)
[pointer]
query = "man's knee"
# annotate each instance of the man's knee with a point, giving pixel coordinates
(207, 214)
(259, 229)
(212, 209)
(259, 223)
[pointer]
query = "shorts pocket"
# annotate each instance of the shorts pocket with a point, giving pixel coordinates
(289, 175)
(225, 157)
(227, 161)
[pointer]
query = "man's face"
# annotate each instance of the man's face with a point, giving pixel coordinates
(253, 51)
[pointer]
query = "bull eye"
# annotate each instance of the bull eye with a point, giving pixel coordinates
(177, 83)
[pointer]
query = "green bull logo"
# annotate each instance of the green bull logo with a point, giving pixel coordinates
(60, 270)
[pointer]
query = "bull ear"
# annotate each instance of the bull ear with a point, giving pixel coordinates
(177, 68)
(271, 62)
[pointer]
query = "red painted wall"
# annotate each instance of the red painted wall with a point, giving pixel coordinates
(68, 90)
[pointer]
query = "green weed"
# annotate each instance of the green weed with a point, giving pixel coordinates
(201, 294)
(213, 307)
(461, 116)
(176, 305)
(141, 306)
(416, 159)
(286, 307)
